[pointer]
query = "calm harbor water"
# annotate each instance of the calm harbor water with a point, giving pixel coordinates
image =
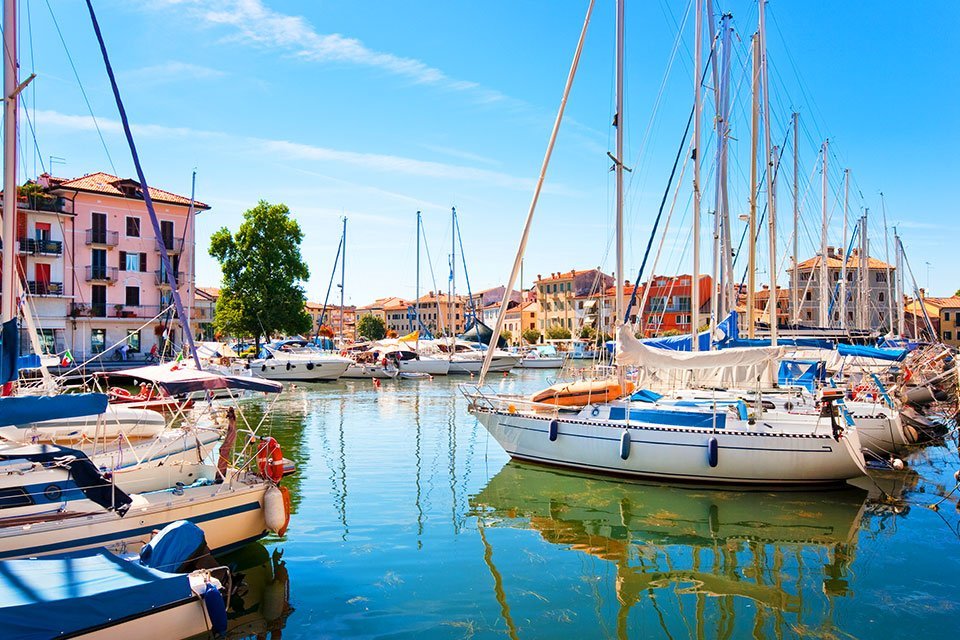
(409, 521)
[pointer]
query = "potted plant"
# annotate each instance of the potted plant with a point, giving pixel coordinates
(118, 308)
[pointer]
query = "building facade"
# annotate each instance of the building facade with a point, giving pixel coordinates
(559, 296)
(90, 255)
(879, 289)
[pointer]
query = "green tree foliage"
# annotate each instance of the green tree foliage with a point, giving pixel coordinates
(588, 332)
(956, 294)
(371, 327)
(531, 336)
(506, 335)
(262, 270)
(558, 332)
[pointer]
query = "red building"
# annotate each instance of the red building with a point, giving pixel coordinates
(667, 308)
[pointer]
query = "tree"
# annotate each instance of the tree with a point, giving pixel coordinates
(263, 272)
(588, 332)
(371, 327)
(506, 335)
(957, 294)
(558, 332)
(531, 336)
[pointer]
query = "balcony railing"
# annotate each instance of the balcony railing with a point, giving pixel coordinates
(162, 278)
(96, 273)
(40, 288)
(41, 202)
(32, 246)
(173, 245)
(103, 237)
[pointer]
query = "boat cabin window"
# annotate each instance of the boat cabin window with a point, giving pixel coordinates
(14, 497)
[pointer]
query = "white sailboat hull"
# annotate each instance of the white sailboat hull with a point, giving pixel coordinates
(300, 371)
(117, 420)
(430, 366)
(677, 454)
(369, 371)
(541, 363)
(230, 516)
(187, 619)
(473, 364)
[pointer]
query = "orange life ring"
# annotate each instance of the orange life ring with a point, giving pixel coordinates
(270, 459)
(119, 392)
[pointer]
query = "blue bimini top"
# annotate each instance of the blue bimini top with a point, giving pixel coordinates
(71, 593)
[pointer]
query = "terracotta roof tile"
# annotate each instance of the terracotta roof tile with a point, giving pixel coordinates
(101, 182)
(837, 263)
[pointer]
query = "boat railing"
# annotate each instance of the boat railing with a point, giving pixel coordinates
(487, 399)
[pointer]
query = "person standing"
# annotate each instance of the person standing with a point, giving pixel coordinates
(226, 447)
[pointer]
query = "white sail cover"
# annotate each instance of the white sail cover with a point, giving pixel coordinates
(725, 367)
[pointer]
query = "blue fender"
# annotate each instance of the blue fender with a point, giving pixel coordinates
(713, 452)
(625, 444)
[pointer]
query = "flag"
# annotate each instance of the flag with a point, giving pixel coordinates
(67, 359)
(179, 357)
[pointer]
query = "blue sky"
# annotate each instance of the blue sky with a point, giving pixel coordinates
(374, 110)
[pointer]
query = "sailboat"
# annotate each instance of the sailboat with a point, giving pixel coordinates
(716, 444)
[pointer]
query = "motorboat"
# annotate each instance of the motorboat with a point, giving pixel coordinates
(541, 357)
(298, 361)
(467, 357)
(371, 363)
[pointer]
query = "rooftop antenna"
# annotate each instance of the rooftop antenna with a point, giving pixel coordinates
(55, 160)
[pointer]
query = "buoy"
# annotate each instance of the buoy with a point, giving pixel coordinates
(713, 451)
(504, 374)
(625, 445)
(897, 464)
(270, 459)
(216, 608)
(376, 382)
(275, 510)
(554, 430)
(511, 408)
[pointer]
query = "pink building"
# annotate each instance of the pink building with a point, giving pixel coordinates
(106, 285)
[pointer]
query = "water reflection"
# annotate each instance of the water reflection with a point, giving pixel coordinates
(260, 604)
(691, 562)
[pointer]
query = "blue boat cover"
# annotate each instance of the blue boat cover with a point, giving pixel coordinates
(645, 395)
(812, 343)
(173, 546)
(701, 419)
(893, 355)
(801, 373)
(22, 410)
(9, 351)
(67, 594)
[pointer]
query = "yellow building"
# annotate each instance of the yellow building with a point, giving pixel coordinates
(559, 294)
(950, 323)
(519, 319)
(435, 313)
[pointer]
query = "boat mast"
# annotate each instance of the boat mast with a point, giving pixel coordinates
(824, 273)
(901, 320)
(343, 275)
(415, 321)
(9, 284)
(754, 134)
(886, 256)
(697, 108)
(843, 267)
(771, 153)
(453, 274)
(864, 272)
(795, 276)
(728, 298)
(618, 167)
(717, 305)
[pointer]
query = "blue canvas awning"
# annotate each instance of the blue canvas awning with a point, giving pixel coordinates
(22, 410)
(860, 351)
(69, 594)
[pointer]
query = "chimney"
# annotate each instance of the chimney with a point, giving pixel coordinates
(831, 252)
(923, 293)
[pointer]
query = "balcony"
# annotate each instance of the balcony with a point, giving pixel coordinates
(162, 278)
(173, 245)
(96, 273)
(40, 288)
(41, 202)
(142, 312)
(102, 237)
(33, 247)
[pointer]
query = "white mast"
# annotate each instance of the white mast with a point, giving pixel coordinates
(843, 265)
(343, 277)
(716, 306)
(618, 166)
(725, 242)
(452, 290)
(10, 279)
(901, 320)
(795, 276)
(886, 244)
(754, 134)
(770, 153)
(697, 107)
(824, 273)
(864, 272)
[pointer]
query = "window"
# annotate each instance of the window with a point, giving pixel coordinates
(808, 296)
(133, 227)
(133, 297)
(849, 276)
(946, 316)
(880, 276)
(98, 340)
(881, 297)
(133, 340)
(130, 261)
(836, 276)
(948, 335)
(48, 343)
(809, 315)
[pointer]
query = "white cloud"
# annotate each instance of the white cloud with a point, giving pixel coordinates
(172, 71)
(254, 22)
(458, 153)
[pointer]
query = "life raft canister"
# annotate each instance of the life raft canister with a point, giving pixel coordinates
(270, 459)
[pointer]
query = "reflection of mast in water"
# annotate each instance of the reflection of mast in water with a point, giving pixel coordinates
(714, 550)
(342, 498)
(498, 591)
(452, 449)
(416, 417)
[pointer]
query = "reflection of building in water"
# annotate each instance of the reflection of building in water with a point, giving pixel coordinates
(752, 561)
(260, 604)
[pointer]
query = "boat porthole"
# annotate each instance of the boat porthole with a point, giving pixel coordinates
(788, 405)
(309, 366)
(288, 366)
(263, 367)
(52, 493)
(595, 412)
